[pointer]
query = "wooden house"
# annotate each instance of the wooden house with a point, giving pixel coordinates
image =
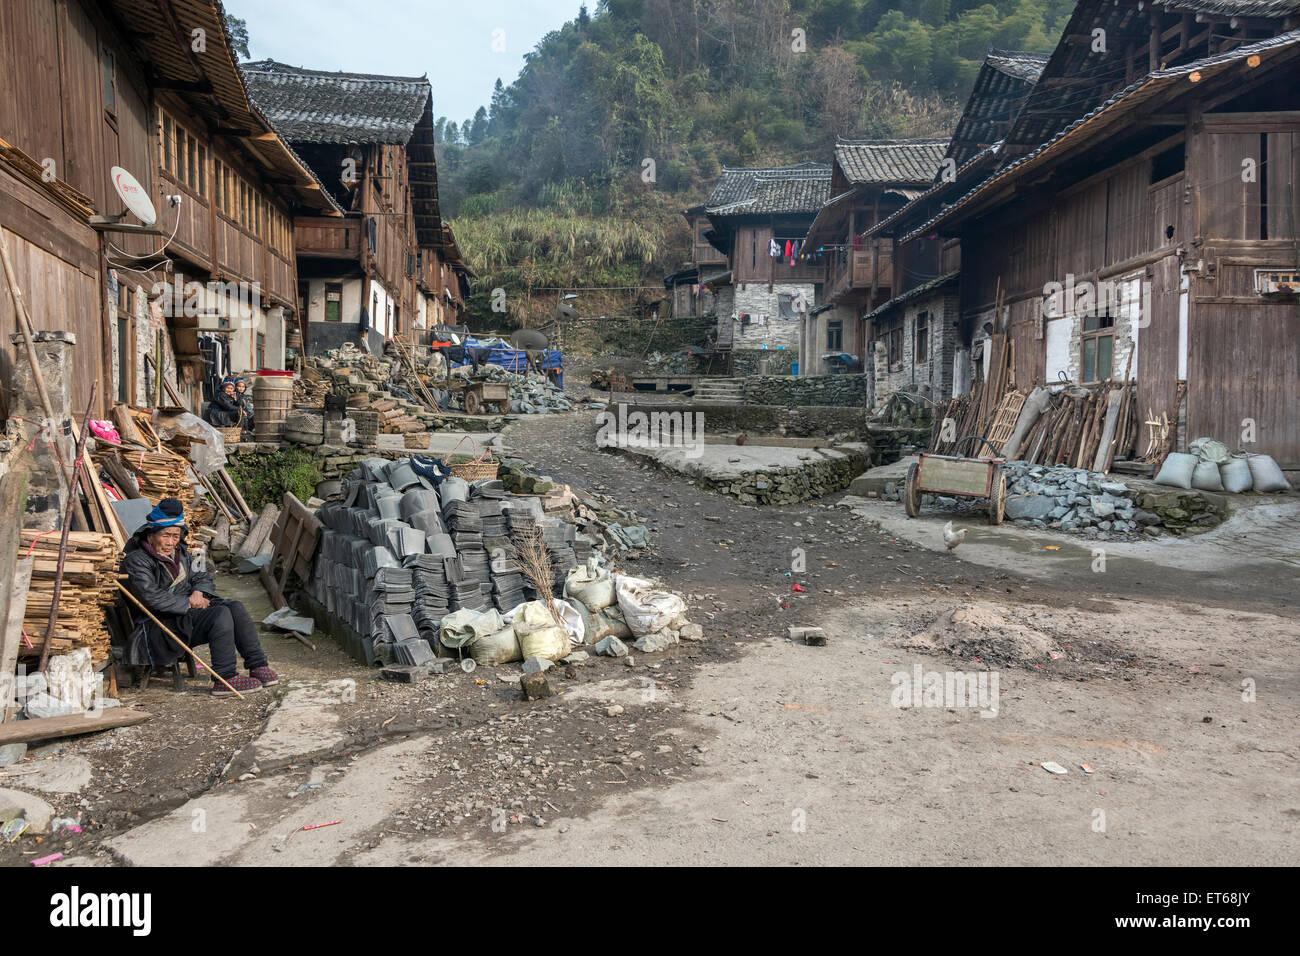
(1138, 219)
(390, 265)
(152, 88)
(869, 180)
(912, 340)
(757, 220)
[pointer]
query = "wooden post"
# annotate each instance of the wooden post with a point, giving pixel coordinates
(15, 576)
(63, 537)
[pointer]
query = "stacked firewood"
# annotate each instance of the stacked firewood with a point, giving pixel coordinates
(90, 574)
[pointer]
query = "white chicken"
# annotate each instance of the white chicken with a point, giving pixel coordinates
(953, 538)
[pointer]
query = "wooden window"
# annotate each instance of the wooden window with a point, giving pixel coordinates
(201, 187)
(834, 336)
(261, 350)
(894, 340)
(190, 172)
(1097, 347)
(334, 302)
(921, 346)
(168, 144)
(109, 64)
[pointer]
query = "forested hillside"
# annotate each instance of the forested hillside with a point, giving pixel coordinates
(575, 173)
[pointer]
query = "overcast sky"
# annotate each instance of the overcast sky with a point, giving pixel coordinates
(450, 40)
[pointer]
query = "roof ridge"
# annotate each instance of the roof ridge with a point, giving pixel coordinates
(276, 68)
(917, 141)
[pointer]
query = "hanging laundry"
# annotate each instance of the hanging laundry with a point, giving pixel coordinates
(789, 246)
(773, 249)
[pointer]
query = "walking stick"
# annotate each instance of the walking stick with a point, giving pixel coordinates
(136, 601)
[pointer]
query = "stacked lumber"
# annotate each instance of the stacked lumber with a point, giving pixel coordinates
(1071, 434)
(159, 474)
(90, 574)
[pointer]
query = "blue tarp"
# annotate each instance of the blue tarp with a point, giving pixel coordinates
(515, 360)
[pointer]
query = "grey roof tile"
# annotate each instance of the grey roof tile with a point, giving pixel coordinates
(313, 106)
(890, 161)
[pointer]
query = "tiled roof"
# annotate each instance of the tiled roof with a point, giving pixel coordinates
(1120, 104)
(313, 106)
(890, 161)
(784, 190)
(1004, 81)
(923, 289)
(1024, 66)
(1232, 8)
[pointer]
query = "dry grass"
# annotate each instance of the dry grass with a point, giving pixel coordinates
(528, 550)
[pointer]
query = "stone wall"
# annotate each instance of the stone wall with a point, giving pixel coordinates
(842, 390)
(789, 485)
(325, 336)
(935, 372)
(758, 299)
(807, 421)
(763, 361)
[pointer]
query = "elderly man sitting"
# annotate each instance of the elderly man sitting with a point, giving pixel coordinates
(163, 577)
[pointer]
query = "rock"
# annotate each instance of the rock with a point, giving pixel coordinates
(611, 647)
(1101, 507)
(655, 641)
(1029, 507)
(577, 657)
(537, 665)
(1114, 487)
(691, 632)
(404, 673)
(535, 686)
(12, 753)
(1146, 518)
(613, 710)
(37, 813)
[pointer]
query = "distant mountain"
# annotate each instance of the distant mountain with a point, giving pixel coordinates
(623, 116)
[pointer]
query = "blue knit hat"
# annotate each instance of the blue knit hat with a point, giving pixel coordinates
(168, 513)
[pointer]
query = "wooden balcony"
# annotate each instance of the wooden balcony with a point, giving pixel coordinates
(327, 238)
(859, 270)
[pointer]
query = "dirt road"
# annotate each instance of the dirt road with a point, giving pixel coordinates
(1178, 688)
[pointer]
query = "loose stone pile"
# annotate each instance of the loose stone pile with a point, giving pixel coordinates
(530, 394)
(1072, 499)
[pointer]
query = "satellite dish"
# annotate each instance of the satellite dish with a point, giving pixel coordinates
(134, 195)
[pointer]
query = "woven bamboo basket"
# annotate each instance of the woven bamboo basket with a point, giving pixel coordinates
(231, 435)
(481, 466)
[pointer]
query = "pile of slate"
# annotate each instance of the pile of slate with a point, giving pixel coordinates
(1059, 498)
(1072, 499)
(531, 393)
(406, 544)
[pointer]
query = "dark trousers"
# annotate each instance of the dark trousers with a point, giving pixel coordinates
(225, 628)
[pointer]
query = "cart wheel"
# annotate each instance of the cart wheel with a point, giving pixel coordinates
(472, 403)
(912, 491)
(998, 500)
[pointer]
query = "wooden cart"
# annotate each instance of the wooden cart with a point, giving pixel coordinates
(957, 477)
(494, 396)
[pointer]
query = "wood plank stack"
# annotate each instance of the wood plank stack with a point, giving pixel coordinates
(90, 573)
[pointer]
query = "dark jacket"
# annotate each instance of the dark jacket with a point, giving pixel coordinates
(151, 582)
(246, 406)
(224, 411)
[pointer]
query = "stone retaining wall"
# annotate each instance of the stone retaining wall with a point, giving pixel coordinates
(807, 421)
(790, 485)
(839, 390)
